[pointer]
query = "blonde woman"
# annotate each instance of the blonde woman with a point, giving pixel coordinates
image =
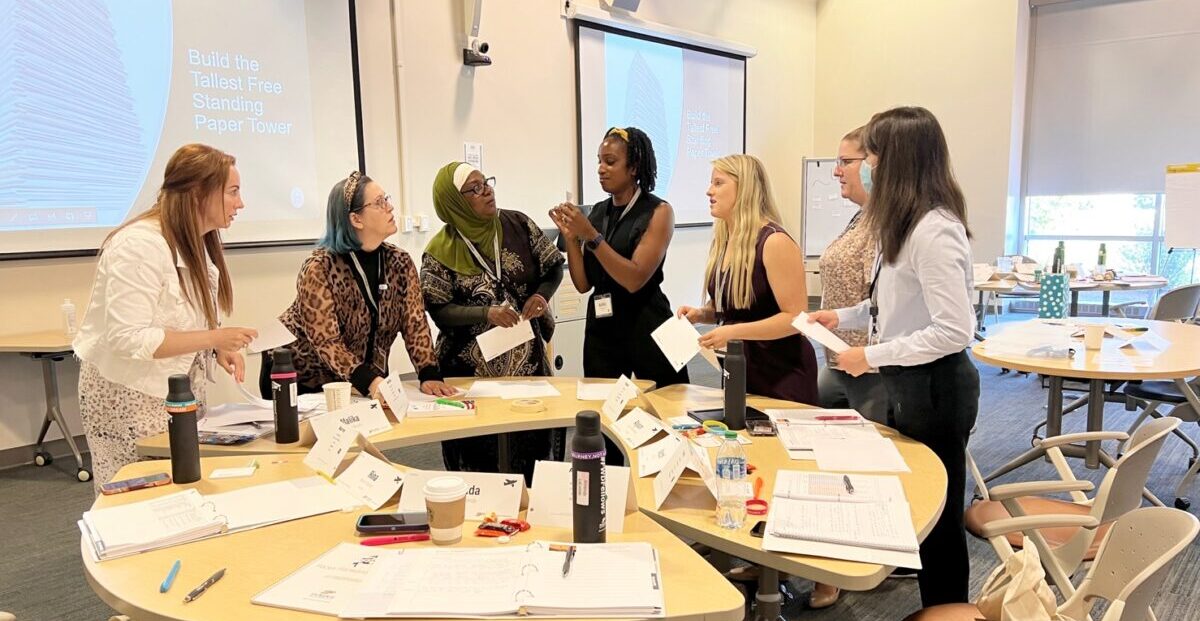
(752, 286)
(161, 284)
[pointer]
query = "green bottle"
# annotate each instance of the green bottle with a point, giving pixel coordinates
(1060, 258)
(1102, 260)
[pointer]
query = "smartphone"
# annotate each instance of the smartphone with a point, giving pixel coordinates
(407, 522)
(709, 414)
(128, 485)
(759, 529)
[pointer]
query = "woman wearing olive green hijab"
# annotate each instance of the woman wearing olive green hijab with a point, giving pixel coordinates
(489, 267)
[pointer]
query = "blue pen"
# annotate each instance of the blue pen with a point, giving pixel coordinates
(685, 426)
(170, 579)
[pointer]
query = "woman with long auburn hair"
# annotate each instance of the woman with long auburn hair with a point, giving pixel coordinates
(919, 317)
(751, 286)
(161, 283)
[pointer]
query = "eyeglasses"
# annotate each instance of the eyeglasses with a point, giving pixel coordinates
(479, 188)
(843, 162)
(383, 203)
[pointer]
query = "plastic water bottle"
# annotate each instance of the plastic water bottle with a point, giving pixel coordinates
(181, 407)
(588, 496)
(733, 483)
(69, 322)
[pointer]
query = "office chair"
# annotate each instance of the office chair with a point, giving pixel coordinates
(1072, 541)
(1130, 567)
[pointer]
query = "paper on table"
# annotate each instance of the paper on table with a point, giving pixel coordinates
(815, 416)
(590, 390)
(637, 428)
(678, 340)
(802, 437)
(227, 414)
(498, 340)
(819, 333)
(270, 335)
(512, 389)
(860, 454)
(304, 403)
(652, 457)
(1147, 340)
(327, 583)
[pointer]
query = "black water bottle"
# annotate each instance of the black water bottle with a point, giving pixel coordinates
(283, 394)
(181, 430)
(735, 386)
(588, 497)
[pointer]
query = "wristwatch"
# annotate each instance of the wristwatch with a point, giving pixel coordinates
(594, 243)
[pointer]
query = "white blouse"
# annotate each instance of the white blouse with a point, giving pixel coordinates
(136, 298)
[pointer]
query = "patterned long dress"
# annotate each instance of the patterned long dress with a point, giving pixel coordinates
(529, 264)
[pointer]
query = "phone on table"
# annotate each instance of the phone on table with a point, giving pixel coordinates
(759, 529)
(128, 485)
(405, 522)
(707, 414)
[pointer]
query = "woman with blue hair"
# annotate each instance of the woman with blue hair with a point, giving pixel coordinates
(355, 294)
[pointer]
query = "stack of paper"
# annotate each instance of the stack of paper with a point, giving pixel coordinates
(512, 389)
(151, 524)
(857, 518)
(1019, 339)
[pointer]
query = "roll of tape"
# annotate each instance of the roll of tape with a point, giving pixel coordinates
(528, 406)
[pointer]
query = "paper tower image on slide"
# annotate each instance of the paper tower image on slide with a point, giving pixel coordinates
(645, 91)
(86, 93)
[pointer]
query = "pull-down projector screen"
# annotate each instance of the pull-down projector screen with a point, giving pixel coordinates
(99, 93)
(691, 102)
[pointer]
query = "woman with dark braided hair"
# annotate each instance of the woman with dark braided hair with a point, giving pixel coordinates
(617, 251)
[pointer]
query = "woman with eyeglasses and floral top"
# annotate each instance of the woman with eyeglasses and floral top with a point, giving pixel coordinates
(489, 267)
(354, 296)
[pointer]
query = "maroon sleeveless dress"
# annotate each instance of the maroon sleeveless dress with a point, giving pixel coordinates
(784, 368)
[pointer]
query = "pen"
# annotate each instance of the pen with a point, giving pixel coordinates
(685, 426)
(450, 402)
(198, 591)
(383, 541)
(849, 487)
(567, 561)
(170, 579)
(836, 417)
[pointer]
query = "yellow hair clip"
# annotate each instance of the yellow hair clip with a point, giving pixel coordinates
(618, 132)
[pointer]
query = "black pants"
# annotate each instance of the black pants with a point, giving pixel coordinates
(617, 354)
(936, 404)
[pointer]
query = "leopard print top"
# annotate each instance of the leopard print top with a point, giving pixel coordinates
(847, 266)
(332, 320)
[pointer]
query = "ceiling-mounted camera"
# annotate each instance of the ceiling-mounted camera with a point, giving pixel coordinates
(475, 48)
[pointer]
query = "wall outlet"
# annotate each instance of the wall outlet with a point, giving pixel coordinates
(407, 225)
(423, 223)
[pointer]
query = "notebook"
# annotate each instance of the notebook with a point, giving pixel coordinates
(156, 523)
(870, 532)
(829, 487)
(326, 583)
(607, 580)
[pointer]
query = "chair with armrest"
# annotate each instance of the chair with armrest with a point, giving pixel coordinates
(1131, 565)
(1064, 547)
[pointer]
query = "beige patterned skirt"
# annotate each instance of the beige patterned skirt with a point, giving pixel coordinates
(115, 416)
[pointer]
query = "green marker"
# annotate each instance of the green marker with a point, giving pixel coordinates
(451, 403)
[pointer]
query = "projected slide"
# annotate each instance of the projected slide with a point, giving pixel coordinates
(690, 103)
(103, 91)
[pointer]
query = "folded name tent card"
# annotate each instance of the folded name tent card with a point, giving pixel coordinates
(652, 457)
(621, 393)
(366, 417)
(550, 497)
(486, 492)
(637, 428)
(683, 457)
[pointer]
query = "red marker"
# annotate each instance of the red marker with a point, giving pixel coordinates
(383, 541)
(839, 417)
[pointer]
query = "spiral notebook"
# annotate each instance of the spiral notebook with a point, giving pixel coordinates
(607, 580)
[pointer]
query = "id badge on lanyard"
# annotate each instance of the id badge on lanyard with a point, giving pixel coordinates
(603, 303)
(494, 276)
(873, 330)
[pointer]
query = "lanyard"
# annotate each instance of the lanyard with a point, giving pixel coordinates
(637, 193)
(366, 283)
(483, 263)
(719, 275)
(874, 331)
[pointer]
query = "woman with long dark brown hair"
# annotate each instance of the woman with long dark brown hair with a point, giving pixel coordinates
(919, 317)
(161, 283)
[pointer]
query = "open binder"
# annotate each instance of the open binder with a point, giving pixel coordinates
(607, 580)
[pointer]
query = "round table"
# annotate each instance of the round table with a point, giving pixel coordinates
(1105, 287)
(1179, 361)
(258, 558)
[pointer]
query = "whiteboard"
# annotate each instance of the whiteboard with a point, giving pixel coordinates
(1183, 206)
(826, 213)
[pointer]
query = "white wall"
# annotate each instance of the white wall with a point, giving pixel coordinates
(958, 58)
(420, 104)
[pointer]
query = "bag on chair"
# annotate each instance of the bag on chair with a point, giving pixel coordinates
(1017, 590)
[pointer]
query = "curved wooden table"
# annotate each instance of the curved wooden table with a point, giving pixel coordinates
(492, 416)
(1178, 362)
(258, 558)
(690, 511)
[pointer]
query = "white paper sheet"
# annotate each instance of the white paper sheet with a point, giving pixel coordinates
(652, 457)
(860, 454)
(325, 584)
(637, 428)
(272, 334)
(591, 390)
(512, 389)
(819, 333)
(678, 340)
(618, 397)
(331, 447)
(499, 340)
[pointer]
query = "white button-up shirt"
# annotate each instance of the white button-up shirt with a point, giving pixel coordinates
(136, 299)
(924, 298)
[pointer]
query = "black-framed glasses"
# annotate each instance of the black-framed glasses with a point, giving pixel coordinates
(843, 162)
(479, 188)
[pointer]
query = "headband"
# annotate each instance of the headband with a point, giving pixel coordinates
(351, 187)
(461, 172)
(617, 131)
